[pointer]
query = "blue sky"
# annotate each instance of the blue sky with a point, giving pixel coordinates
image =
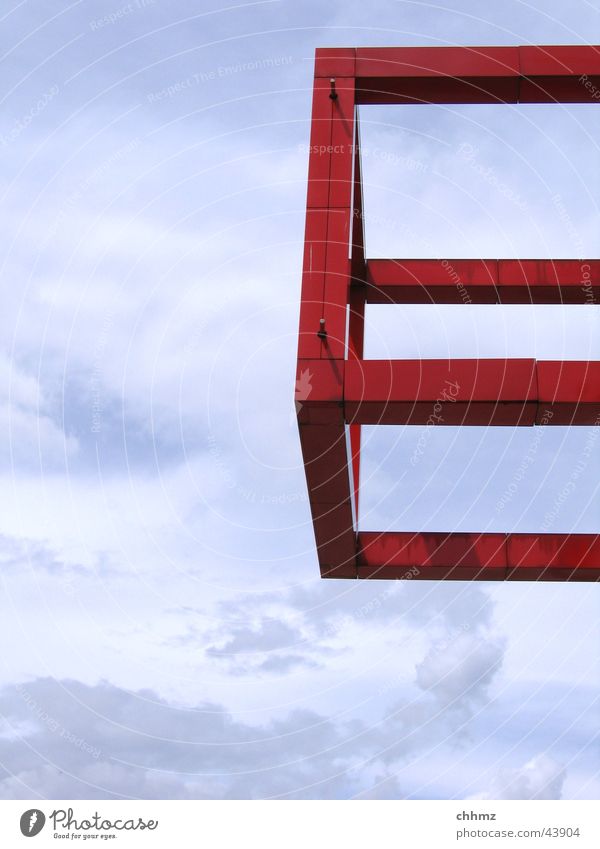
(164, 630)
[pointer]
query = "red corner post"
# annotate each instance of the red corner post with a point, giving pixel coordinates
(326, 282)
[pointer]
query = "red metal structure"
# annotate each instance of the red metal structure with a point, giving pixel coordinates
(347, 391)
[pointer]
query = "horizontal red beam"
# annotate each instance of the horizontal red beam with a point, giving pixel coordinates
(464, 62)
(466, 557)
(567, 74)
(483, 281)
(431, 62)
(472, 392)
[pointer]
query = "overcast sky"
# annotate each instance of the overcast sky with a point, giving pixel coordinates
(163, 627)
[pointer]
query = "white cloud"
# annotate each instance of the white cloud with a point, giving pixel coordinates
(540, 778)
(31, 424)
(111, 743)
(462, 669)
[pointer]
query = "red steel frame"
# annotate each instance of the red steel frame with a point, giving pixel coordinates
(344, 391)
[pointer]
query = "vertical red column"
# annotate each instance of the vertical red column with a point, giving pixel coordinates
(324, 312)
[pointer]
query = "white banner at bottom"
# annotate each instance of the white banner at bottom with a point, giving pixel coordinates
(302, 824)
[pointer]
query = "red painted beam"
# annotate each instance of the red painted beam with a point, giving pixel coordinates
(483, 281)
(431, 556)
(335, 538)
(421, 63)
(567, 74)
(335, 62)
(553, 557)
(427, 281)
(445, 392)
(472, 392)
(325, 455)
(437, 75)
(570, 390)
(471, 556)
(559, 74)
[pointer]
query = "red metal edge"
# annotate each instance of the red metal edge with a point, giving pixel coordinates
(483, 281)
(472, 556)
